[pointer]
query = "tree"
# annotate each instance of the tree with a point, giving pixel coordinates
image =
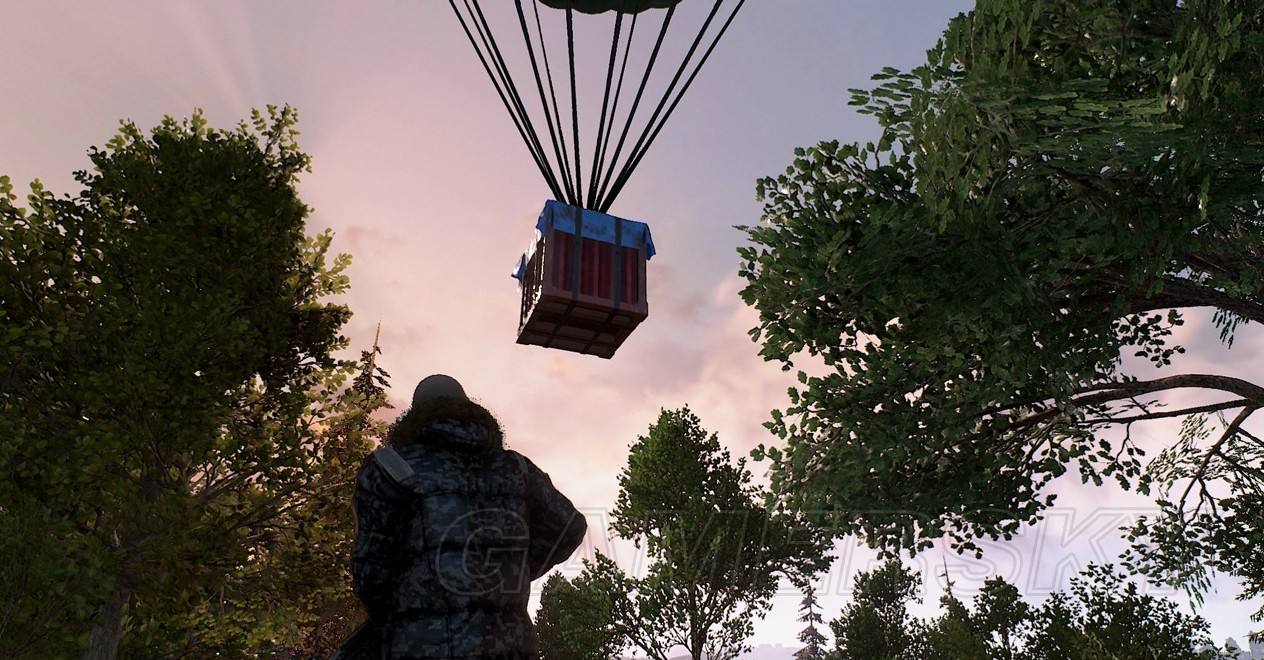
(952, 635)
(996, 628)
(43, 566)
(1050, 191)
(322, 608)
(575, 619)
(1103, 617)
(550, 629)
(813, 640)
(168, 393)
(293, 596)
(718, 553)
(876, 624)
(1000, 617)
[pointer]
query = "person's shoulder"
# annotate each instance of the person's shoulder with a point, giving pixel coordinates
(535, 476)
(519, 460)
(382, 471)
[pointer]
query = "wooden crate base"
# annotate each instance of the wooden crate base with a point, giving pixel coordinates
(557, 322)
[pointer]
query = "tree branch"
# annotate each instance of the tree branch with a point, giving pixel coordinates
(1103, 393)
(1214, 450)
(1181, 293)
(1211, 407)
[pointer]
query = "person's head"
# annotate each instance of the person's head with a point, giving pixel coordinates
(434, 388)
(440, 398)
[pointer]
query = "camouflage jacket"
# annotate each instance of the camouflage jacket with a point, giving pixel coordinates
(444, 557)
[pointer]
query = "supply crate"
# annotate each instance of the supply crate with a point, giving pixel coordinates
(583, 281)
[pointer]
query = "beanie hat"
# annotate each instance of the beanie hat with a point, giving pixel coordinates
(438, 386)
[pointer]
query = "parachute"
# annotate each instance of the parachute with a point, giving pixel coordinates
(603, 6)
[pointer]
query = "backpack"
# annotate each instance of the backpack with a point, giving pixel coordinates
(365, 642)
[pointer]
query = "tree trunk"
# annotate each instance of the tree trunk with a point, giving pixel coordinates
(107, 628)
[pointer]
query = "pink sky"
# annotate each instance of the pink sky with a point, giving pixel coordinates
(422, 177)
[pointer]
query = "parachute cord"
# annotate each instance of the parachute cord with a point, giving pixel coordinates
(671, 87)
(486, 29)
(558, 152)
(489, 42)
(605, 101)
(548, 73)
(632, 165)
(545, 171)
(636, 102)
(570, 48)
(614, 108)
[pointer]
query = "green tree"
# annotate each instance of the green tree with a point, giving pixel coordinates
(322, 610)
(876, 624)
(44, 571)
(1103, 617)
(1000, 616)
(718, 554)
(1106, 617)
(952, 634)
(293, 594)
(997, 628)
(556, 599)
(812, 639)
(167, 390)
(1048, 193)
(576, 618)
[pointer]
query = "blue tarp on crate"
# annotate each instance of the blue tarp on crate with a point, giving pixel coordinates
(596, 225)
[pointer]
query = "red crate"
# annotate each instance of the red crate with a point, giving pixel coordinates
(569, 300)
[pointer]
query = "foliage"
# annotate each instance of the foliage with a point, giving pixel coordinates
(170, 405)
(575, 619)
(952, 634)
(1048, 191)
(812, 639)
(717, 553)
(1106, 617)
(1103, 617)
(999, 617)
(330, 611)
(42, 561)
(876, 624)
(1197, 531)
(995, 629)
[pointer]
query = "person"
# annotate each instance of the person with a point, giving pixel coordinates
(451, 528)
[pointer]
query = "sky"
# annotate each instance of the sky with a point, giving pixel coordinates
(422, 177)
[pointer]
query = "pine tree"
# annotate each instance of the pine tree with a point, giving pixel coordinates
(813, 640)
(331, 614)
